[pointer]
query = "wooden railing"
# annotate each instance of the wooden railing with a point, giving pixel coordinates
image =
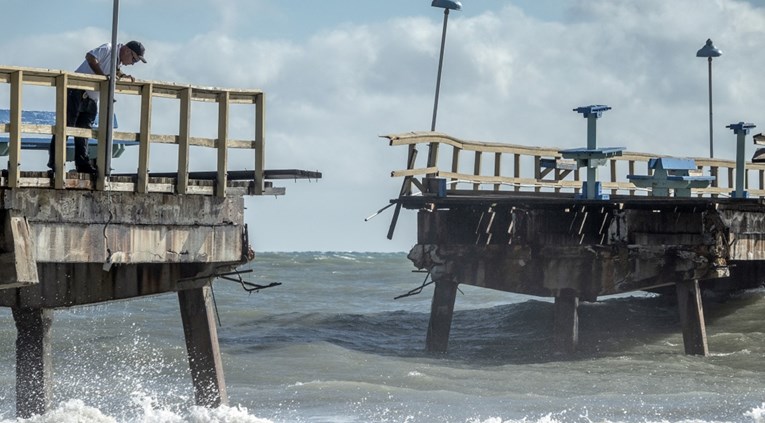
(520, 168)
(61, 81)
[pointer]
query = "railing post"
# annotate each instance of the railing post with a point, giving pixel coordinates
(497, 168)
(144, 139)
(477, 169)
(14, 143)
(184, 133)
(102, 161)
(260, 143)
(455, 166)
(223, 107)
(517, 169)
(62, 96)
(432, 157)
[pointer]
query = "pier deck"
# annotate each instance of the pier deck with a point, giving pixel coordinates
(71, 239)
(522, 226)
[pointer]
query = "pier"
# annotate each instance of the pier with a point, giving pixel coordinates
(539, 221)
(71, 239)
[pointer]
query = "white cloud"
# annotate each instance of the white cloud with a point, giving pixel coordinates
(507, 77)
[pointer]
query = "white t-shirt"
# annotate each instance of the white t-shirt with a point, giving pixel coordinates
(103, 54)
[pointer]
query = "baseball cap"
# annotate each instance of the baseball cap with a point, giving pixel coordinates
(137, 48)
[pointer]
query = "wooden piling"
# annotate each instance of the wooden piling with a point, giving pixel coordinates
(566, 321)
(692, 318)
(202, 347)
(441, 312)
(33, 361)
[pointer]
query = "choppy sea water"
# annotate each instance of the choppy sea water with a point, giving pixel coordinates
(332, 345)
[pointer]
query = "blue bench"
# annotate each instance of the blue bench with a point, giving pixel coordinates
(592, 158)
(678, 174)
(34, 117)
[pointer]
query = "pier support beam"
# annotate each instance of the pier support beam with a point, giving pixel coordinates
(33, 361)
(566, 321)
(202, 346)
(692, 318)
(441, 313)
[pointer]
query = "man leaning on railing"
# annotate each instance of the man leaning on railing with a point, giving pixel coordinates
(82, 106)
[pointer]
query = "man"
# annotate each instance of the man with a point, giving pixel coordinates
(82, 106)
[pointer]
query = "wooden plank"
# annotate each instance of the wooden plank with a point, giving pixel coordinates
(60, 128)
(223, 111)
(14, 143)
(260, 143)
(142, 186)
(497, 168)
(184, 132)
(477, 169)
(455, 166)
(103, 142)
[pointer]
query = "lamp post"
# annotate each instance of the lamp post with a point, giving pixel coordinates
(446, 5)
(709, 51)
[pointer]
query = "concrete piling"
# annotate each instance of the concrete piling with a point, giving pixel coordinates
(566, 321)
(441, 313)
(692, 318)
(33, 360)
(198, 317)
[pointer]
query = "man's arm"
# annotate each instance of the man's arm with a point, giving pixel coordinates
(94, 64)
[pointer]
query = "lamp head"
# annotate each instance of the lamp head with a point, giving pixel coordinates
(447, 4)
(709, 50)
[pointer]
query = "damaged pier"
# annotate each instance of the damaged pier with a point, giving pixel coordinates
(72, 239)
(524, 224)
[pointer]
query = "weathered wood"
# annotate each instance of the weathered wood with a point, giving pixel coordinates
(19, 255)
(531, 179)
(202, 347)
(33, 361)
(19, 76)
(102, 148)
(144, 147)
(14, 143)
(60, 129)
(223, 111)
(692, 318)
(184, 132)
(566, 321)
(441, 313)
(260, 143)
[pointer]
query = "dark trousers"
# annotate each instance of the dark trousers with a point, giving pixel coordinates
(80, 113)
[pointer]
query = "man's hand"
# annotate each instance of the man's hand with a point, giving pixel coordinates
(121, 75)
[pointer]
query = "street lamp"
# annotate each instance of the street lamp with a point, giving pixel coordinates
(446, 5)
(709, 51)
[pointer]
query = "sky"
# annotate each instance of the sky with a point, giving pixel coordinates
(339, 74)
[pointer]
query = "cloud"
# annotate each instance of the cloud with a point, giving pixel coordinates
(507, 77)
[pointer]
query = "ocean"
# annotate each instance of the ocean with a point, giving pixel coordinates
(330, 344)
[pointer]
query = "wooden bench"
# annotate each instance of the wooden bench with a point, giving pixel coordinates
(678, 174)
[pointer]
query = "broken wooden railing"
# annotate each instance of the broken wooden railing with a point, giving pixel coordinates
(517, 168)
(61, 81)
